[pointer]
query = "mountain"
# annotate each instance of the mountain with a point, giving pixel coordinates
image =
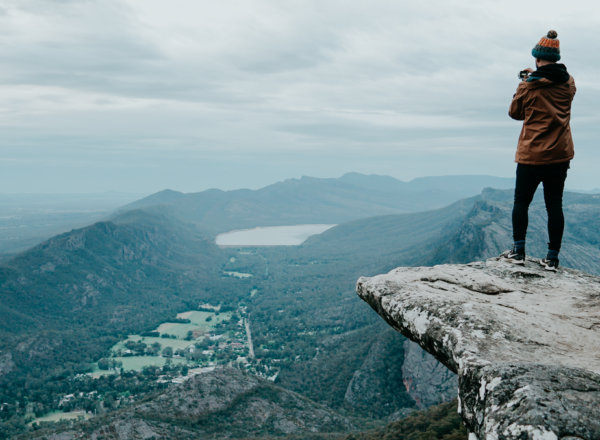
(165, 196)
(68, 300)
(468, 230)
(100, 273)
(486, 230)
(65, 302)
(389, 239)
(28, 219)
(224, 403)
(230, 404)
(314, 200)
(443, 188)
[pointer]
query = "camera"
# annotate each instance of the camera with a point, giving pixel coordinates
(523, 74)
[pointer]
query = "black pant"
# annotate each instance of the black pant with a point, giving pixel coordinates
(528, 178)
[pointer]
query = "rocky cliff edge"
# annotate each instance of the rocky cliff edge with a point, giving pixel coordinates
(524, 342)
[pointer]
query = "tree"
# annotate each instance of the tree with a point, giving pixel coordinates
(104, 364)
(154, 349)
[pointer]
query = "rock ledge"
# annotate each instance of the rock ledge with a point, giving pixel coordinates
(524, 342)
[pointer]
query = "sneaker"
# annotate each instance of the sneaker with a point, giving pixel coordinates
(514, 257)
(550, 264)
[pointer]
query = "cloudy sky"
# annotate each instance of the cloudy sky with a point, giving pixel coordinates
(142, 95)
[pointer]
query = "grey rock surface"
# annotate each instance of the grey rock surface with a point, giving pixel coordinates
(524, 342)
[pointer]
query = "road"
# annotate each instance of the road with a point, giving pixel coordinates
(249, 333)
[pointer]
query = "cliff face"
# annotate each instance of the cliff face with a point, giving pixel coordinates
(426, 380)
(524, 342)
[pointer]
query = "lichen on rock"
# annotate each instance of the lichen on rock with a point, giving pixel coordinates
(524, 342)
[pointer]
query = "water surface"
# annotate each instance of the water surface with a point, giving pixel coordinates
(271, 235)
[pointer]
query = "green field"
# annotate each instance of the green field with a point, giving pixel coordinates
(198, 323)
(138, 363)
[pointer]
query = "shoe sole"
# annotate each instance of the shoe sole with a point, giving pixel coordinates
(513, 261)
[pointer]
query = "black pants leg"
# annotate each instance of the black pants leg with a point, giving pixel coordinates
(527, 182)
(554, 184)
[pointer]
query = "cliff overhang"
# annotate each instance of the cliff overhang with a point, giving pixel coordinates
(524, 342)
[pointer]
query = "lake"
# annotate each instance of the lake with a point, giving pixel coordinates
(271, 235)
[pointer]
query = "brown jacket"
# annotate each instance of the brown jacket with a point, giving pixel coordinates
(544, 107)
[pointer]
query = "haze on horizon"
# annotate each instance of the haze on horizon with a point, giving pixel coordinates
(138, 96)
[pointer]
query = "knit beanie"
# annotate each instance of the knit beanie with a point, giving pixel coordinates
(548, 48)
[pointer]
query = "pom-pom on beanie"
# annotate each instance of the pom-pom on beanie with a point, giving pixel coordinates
(548, 48)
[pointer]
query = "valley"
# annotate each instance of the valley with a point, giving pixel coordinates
(121, 311)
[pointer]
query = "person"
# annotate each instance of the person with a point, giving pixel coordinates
(545, 148)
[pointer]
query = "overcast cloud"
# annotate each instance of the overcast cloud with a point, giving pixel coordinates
(142, 95)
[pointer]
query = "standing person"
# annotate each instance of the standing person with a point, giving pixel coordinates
(543, 102)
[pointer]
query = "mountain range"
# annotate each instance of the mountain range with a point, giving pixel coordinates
(66, 301)
(314, 200)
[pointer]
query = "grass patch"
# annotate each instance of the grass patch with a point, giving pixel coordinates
(57, 416)
(198, 325)
(138, 363)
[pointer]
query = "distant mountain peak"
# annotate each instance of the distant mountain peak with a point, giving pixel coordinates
(169, 191)
(161, 197)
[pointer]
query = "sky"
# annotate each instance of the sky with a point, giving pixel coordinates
(142, 95)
